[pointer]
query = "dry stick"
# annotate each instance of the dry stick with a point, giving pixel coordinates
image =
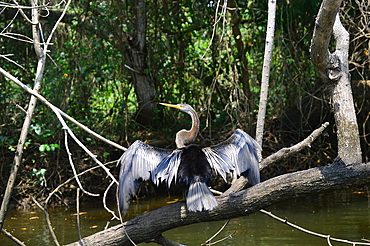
(47, 218)
(310, 232)
(72, 165)
(328, 240)
(47, 103)
(78, 214)
(208, 242)
(284, 152)
(65, 127)
(218, 232)
(68, 180)
(26, 124)
(32, 22)
(222, 239)
(105, 199)
(16, 240)
(58, 113)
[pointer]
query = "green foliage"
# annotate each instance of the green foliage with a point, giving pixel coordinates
(192, 54)
(39, 176)
(48, 147)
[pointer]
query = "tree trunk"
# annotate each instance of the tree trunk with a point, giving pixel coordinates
(147, 227)
(265, 74)
(332, 69)
(41, 57)
(135, 54)
(240, 46)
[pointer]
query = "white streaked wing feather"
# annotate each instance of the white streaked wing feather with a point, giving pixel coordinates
(219, 162)
(137, 162)
(238, 153)
(167, 168)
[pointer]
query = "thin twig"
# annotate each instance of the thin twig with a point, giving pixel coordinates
(222, 239)
(105, 199)
(25, 16)
(14, 6)
(14, 239)
(215, 235)
(328, 240)
(73, 166)
(47, 103)
(48, 222)
(285, 221)
(129, 238)
(68, 180)
(78, 214)
(295, 148)
(58, 113)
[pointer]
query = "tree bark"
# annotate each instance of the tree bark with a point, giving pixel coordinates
(332, 69)
(240, 46)
(41, 57)
(265, 74)
(147, 227)
(135, 53)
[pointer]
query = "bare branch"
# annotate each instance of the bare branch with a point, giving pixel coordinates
(78, 213)
(48, 222)
(208, 242)
(16, 6)
(47, 103)
(72, 165)
(284, 152)
(26, 123)
(147, 226)
(328, 237)
(105, 203)
(14, 239)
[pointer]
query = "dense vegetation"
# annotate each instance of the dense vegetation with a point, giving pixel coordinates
(198, 52)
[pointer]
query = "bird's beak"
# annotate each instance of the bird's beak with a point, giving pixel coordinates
(171, 105)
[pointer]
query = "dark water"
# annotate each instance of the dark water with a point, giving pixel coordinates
(343, 214)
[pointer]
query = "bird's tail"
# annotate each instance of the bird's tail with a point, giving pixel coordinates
(200, 197)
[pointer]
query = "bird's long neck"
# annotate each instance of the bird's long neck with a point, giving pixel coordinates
(185, 137)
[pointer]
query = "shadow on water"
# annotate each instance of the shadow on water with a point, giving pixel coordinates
(343, 214)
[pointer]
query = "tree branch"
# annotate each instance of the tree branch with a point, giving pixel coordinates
(328, 237)
(41, 59)
(321, 35)
(145, 227)
(284, 152)
(47, 103)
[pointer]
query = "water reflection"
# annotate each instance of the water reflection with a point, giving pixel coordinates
(343, 214)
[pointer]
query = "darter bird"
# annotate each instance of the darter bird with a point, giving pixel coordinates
(188, 164)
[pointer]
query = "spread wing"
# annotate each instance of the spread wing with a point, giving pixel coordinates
(139, 160)
(167, 168)
(237, 154)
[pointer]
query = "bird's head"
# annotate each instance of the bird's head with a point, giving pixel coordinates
(185, 137)
(183, 107)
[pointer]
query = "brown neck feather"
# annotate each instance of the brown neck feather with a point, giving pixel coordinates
(185, 137)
